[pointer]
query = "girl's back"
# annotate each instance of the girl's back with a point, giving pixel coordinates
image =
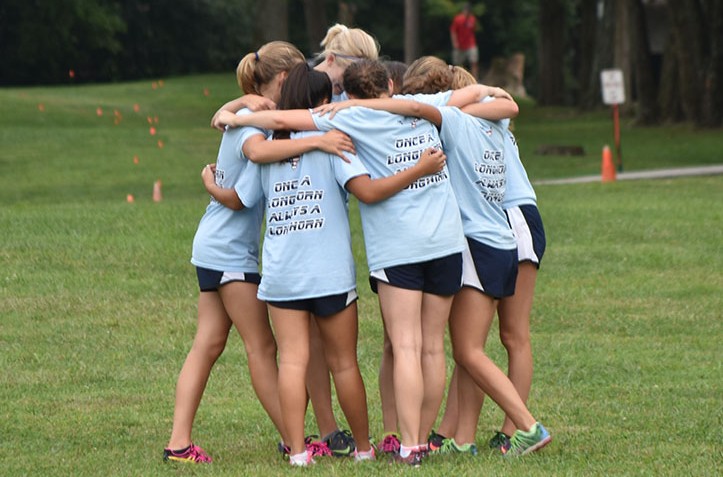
(421, 222)
(307, 247)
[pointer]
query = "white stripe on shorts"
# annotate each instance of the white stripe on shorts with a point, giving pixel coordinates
(232, 277)
(525, 250)
(350, 297)
(469, 272)
(379, 275)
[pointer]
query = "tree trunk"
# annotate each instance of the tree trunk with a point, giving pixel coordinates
(669, 97)
(346, 13)
(411, 30)
(272, 21)
(712, 114)
(687, 26)
(316, 23)
(622, 59)
(645, 84)
(603, 56)
(551, 56)
(584, 47)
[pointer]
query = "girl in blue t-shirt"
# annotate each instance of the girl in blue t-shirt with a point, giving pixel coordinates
(225, 253)
(308, 266)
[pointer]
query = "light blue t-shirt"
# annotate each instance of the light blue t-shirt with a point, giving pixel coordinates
(421, 222)
(228, 240)
(307, 245)
(519, 189)
(436, 99)
(475, 158)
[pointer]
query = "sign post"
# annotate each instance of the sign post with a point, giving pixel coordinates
(613, 91)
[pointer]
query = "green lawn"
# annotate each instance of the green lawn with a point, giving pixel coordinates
(97, 297)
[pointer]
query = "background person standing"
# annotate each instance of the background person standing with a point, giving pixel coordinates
(464, 43)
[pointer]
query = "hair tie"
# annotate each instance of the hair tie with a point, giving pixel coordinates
(256, 54)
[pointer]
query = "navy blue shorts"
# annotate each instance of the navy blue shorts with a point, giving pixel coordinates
(321, 306)
(492, 271)
(526, 224)
(212, 280)
(440, 276)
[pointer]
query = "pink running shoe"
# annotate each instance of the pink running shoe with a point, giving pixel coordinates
(317, 449)
(390, 444)
(192, 454)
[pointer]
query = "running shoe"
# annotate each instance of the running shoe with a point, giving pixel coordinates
(362, 456)
(318, 449)
(341, 443)
(523, 443)
(390, 444)
(283, 449)
(435, 441)
(414, 459)
(302, 460)
(192, 454)
(450, 446)
(500, 441)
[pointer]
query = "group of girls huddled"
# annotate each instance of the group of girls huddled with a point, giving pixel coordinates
(452, 236)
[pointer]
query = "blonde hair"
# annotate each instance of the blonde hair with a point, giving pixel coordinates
(262, 66)
(349, 45)
(427, 75)
(461, 77)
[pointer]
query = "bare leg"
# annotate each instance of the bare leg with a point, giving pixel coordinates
(209, 343)
(292, 336)
(473, 310)
(435, 315)
(448, 425)
(318, 384)
(402, 312)
(386, 386)
(339, 334)
(514, 313)
(249, 317)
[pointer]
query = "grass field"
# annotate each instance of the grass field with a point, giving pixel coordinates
(97, 297)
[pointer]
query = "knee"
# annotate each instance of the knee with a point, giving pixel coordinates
(210, 349)
(463, 356)
(514, 340)
(261, 348)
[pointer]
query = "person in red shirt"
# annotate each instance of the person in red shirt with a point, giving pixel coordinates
(464, 43)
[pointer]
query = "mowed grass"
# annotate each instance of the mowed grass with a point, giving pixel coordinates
(98, 298)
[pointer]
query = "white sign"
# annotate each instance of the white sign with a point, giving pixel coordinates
(613, 88)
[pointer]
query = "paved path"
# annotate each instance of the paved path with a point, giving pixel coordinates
(635, 175)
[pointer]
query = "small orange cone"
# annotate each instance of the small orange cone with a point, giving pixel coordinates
(130, 199)
(608, 168)
(157, 195)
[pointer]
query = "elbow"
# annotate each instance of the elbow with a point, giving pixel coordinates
(252, 154)
(514, 110)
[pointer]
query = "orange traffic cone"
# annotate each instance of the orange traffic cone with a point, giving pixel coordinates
(157, 195)
(608, 168)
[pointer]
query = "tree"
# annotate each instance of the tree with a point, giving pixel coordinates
(696, 27)
(411, 30)
(271, 21)
(646, 85)
(551, 54)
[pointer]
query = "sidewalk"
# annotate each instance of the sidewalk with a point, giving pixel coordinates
(635, 175)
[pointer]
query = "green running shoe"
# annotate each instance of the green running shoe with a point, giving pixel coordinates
(500, 441)
(525, 442)
(449, 446)
(341, 443)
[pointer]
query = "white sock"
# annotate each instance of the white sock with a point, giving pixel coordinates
(299, 459)
(366, 455)
(404, 451)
